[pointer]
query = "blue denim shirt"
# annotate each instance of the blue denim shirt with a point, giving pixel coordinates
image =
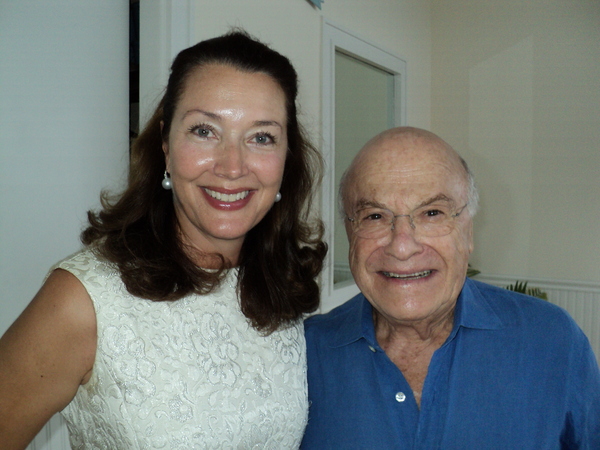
(515, 373)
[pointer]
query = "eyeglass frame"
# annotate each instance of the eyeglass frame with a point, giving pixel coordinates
(410, 221)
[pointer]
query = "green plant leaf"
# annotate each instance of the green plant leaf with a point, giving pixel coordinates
(472, 272)
(521, 287)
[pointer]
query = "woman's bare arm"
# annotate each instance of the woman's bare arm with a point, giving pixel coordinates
(45, 355)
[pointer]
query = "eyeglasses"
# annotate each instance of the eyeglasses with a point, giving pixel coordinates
(428, 221)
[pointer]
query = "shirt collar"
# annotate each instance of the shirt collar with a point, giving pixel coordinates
(356, 324)
(473, 310)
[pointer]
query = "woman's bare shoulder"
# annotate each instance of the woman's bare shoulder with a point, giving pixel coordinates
(45, 356)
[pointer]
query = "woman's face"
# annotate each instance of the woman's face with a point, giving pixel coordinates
(225, 153)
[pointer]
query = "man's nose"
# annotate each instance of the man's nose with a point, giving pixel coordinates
(397, 221)
(230, 160)
(403, 242)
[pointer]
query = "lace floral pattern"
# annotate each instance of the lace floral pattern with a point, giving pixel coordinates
(190, 374)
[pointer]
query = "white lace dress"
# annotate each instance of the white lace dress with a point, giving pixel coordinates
(189, 374)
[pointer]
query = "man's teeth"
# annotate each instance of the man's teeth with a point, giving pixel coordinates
(229, 198)
(410, 276)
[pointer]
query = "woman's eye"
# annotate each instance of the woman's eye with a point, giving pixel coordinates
(202, 131)
(264, 139)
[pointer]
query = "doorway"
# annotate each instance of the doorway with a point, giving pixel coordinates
(363, 94)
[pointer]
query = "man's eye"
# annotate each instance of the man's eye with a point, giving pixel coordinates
(371, 216)
(434, 214)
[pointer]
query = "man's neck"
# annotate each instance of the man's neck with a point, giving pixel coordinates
(411, 346)
(396, 332)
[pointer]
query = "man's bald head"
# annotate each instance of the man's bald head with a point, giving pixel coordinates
(396, 143)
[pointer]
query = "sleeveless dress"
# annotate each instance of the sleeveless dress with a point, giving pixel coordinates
(188, 374)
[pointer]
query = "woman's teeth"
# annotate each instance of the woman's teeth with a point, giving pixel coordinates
(409, 276)
(229, 198)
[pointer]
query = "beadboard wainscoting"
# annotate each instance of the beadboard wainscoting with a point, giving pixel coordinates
(581, 299)
(54, 436)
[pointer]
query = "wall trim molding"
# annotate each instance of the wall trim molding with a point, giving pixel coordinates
(505, 280)
(581, 299)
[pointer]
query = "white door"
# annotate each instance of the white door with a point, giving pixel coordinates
(363, 94)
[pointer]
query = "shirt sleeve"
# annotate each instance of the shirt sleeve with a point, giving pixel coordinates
(582, 427)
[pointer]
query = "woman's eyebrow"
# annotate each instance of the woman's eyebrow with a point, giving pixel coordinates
(267, 123)
(203, 112)
(217, 117)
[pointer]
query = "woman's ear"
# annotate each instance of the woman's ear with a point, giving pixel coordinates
(165, 146)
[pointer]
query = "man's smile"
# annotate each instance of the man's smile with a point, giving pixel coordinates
(410, 276)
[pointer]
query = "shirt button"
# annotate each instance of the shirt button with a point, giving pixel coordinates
(400, 397)
(372, 348)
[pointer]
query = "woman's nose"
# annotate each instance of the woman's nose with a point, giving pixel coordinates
(230, 160)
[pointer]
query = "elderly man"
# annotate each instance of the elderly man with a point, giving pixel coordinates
(424, 358)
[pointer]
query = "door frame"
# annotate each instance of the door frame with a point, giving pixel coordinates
(345, 41)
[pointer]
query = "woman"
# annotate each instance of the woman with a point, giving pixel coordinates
(179, 325)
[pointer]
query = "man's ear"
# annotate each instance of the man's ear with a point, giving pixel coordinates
(471, 243)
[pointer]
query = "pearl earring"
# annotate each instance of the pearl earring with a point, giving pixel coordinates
(166, 182)
(278, 197)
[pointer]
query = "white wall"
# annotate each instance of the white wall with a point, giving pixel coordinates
(63, 136)
(516, 90)
(63, 131)
(293, 27)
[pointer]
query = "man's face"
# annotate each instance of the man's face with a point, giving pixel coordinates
(409, 278)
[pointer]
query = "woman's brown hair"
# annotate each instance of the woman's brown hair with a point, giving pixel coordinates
(280, 257)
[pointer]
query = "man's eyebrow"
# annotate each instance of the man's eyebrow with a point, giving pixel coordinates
(364, 203)
(436, 198)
